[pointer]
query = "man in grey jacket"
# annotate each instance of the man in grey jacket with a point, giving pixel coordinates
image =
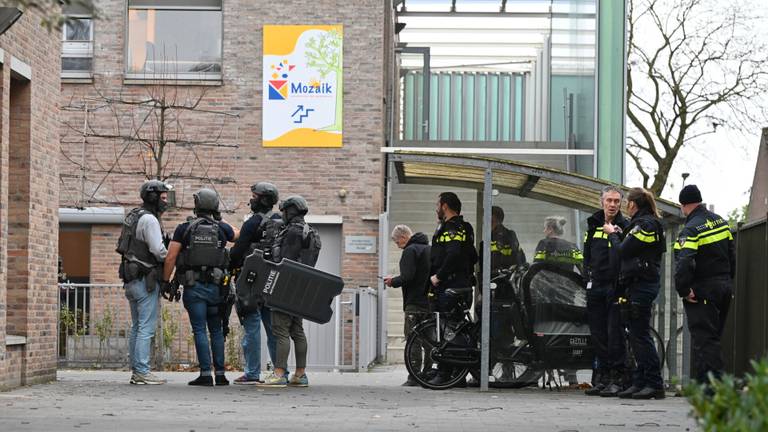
(143, 252)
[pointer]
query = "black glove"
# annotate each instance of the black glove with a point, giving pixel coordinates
(170, 290)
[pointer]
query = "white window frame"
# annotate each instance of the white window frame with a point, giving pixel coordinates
(180, 76)
(77, 49)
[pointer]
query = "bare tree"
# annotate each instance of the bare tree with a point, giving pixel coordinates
(158, 131)
(694, 65)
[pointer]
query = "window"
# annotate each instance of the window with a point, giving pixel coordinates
(77, 43)
(174, 39)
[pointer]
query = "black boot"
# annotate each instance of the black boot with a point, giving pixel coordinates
(221, 380)
(650, 393)
(410, 382)
(595, 391)
(202, 380)
(627, 394)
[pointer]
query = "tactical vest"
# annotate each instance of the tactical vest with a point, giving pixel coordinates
(269, 228)
(137, 261)
(205, 252)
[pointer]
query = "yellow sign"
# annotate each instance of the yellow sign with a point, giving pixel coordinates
(303, 86)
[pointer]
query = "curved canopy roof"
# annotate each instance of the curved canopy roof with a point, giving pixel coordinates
(526, 180)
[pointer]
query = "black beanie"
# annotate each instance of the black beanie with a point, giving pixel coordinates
(690, 195)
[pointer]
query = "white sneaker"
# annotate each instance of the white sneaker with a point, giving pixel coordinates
(147, 378)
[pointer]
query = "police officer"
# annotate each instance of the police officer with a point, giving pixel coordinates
(555, 250)
(705, 266)
(290, 244)
(453, 258)
(639, 255)
(505, 247)
(143, 252)
(258, 232)
(605, 324)
(198, 252)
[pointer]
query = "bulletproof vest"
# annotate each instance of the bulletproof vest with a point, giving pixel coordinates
(131, 248)
(310, 243)
(204, 247)
(270, 228)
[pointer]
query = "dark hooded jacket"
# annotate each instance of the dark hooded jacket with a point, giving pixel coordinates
(414, 271)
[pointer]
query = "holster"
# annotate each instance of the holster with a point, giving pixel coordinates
(152, 278)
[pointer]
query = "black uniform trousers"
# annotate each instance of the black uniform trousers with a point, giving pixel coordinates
(706, 320)
(607, 330)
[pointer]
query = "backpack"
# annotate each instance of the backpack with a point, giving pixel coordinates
(310, 243)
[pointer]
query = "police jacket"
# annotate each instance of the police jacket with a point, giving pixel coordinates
(505, 248)
(258, 232)
(453, 254)
(703, 250)
(560, 252)
(597, 265)
(638, 255)
(414, 271)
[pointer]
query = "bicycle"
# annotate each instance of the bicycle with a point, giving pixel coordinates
(547, 332)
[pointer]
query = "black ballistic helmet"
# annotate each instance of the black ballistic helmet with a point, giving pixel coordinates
(295, 201)
(150, 191)
(206, 201)
(266, 190)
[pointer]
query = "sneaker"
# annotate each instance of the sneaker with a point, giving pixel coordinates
(147, 378)
(244, 380)
(202, 380)
(301, 381)
(221, 380)
(274, 381)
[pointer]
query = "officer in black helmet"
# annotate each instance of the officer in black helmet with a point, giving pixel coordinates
(293, 243)
(198, 253)
(142, 250)
(258, 232)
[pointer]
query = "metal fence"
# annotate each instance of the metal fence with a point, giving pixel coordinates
(746, 331)
(95, 320)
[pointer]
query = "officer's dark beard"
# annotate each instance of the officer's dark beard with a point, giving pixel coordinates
(441, 215)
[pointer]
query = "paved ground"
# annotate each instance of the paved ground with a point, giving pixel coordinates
(104, 401)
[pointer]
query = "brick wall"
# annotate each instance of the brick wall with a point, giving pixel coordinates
(29, 149)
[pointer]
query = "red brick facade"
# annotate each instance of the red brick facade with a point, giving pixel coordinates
(29, 168)
(317, 174)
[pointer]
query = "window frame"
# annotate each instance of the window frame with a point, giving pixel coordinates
(182, 77)
(77, 48)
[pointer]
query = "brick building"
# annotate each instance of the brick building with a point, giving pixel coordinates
(216, 61)
(29, 147)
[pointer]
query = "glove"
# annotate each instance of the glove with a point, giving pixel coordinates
(170, 291)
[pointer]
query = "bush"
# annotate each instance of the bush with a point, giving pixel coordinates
(729, 404)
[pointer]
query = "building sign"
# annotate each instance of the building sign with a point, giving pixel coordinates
(302, 89)
(360, 244)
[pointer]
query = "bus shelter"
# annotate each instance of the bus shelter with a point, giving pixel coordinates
(494, 175)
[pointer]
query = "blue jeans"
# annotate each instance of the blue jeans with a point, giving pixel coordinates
(641, 295)
(144, 307)
(252, 341)
(202, 304)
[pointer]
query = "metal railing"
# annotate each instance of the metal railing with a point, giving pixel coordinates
(94, 325)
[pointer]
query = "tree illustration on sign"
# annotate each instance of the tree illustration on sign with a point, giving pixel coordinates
(324, 54)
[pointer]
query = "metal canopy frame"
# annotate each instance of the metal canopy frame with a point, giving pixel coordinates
(477, 173)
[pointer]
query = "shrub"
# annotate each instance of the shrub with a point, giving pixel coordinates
(728, 404)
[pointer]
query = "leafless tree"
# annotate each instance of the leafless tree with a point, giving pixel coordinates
(162, 130)
(50, 10)
(694, 65)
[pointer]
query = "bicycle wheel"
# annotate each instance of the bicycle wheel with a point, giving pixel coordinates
(419, 347)
(515, 370)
